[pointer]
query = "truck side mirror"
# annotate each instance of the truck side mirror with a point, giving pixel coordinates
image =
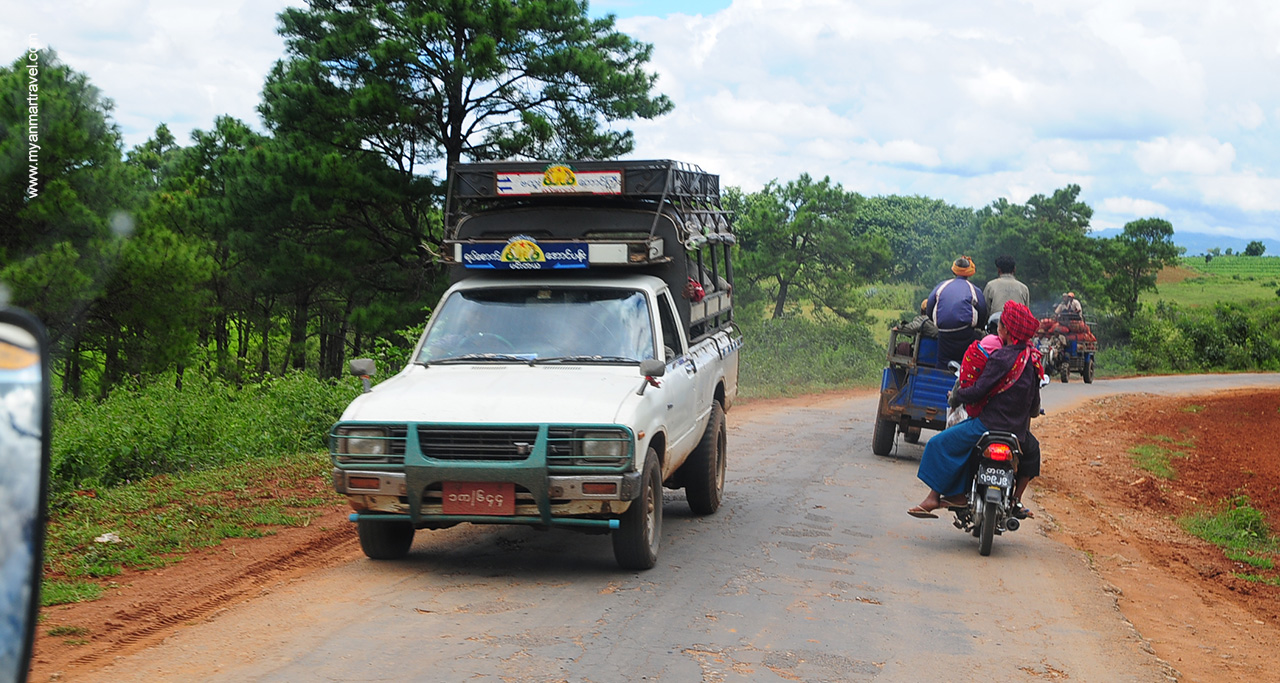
(24, 461)
(364, 368)
(652, 368)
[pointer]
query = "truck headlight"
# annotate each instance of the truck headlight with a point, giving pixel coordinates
(610, 446)
(365, 441)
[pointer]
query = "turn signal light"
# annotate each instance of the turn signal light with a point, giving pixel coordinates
(999, 452)
(600, 488)
(368, 483)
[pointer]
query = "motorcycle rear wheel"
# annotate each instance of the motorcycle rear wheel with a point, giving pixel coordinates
(988, 532)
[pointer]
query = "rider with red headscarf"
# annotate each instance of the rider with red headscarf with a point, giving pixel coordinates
(1010, 385)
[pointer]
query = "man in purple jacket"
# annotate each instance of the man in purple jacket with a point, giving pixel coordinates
(959, 310)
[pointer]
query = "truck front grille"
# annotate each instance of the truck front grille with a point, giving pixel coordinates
(471, 443)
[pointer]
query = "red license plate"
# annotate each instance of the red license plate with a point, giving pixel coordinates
(478, 498)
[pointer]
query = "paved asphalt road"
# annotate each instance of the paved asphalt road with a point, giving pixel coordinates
(811, 571)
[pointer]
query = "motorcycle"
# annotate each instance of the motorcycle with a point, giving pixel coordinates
(991, 508)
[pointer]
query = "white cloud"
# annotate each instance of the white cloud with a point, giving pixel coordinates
(1134, 207)
(1200, 156)
(1243, 191)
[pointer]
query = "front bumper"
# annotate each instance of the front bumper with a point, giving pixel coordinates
(626, 486)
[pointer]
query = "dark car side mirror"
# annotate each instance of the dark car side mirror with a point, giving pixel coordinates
(25, 418)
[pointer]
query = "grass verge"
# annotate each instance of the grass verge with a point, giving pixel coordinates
(1241, 531)
(155, 522)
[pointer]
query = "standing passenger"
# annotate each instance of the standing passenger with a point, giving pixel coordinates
(1005, 287)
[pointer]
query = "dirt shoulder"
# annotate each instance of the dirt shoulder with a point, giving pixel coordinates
(1182, 594)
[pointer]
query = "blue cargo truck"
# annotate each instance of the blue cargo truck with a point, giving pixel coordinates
(913, 393)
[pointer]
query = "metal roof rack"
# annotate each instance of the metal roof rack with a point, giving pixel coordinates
(678, 188)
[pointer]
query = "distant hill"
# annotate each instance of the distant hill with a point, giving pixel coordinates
(1200, 243)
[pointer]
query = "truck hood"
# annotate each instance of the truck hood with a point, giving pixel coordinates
(493, 393)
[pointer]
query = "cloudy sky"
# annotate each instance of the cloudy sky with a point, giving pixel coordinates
(1166, 108)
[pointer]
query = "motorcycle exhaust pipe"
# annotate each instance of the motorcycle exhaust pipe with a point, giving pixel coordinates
(1012, 524)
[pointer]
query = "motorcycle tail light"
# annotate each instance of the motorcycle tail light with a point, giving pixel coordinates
(999, 452)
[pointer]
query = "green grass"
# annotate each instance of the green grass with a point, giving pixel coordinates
(1225, 278)
(1170, 440)
(162, 519)
(1192, 408)
(796, 355)
(64, 592)
(59, 631)
(1251, 559)
(1234, 526)
(1254, 578)
(1156, 459)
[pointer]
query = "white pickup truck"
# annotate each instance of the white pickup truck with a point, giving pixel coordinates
(583, 359)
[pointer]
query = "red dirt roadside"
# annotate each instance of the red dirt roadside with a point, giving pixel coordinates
(1183, 595)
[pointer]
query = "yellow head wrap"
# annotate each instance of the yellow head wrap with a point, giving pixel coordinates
(963, 267)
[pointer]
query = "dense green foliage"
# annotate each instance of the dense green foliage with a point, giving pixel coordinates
(795, 355)
(1226, 336)
(246, 255)
(154, 428)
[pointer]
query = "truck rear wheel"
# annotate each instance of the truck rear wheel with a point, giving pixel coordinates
(882, 437)
(705, 468)
(912, 435)
(383, 540)
(1087, 373)
(636, 540)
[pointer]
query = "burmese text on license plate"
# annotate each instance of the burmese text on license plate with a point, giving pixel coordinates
(478, 498)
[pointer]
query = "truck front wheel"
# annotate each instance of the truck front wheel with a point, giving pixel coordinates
(704, 482)
(635, 541)
(383, 540)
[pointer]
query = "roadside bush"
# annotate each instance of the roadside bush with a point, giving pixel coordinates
(142, 431)
(1224, 337)
(794, 355)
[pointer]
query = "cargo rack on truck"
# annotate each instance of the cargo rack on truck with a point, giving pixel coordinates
(661, 217)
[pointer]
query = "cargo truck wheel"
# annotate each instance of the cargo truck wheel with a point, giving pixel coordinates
(635, 541)
(705, 468)
(882, 437)
(912, 435)
(1066, 372)
(1087, 373)
(383, 540)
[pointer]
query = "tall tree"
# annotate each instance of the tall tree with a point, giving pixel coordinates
(1049, 239)
(416, 81)
(800, 236)
(1134, 258)
(61, 181)
(1255, 248)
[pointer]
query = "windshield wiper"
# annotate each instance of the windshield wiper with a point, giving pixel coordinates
(584, 358)
(481, 356)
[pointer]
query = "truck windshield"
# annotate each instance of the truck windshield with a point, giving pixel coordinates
(528, 324)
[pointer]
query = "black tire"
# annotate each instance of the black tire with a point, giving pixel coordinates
(637, 538)
(912, 435)
(988, 534)
(705, 468)
(1066, 372)
(1087, 372)
(383, 540)
(882, 437)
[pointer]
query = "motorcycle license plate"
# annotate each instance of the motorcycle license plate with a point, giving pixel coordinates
(478, 498)
(995, 476)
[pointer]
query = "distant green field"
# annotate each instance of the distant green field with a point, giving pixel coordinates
(1225, 278)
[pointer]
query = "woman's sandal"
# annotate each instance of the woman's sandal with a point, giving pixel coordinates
(921, 513)
(954, 502)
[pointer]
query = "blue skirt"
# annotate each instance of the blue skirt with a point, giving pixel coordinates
(944, 467)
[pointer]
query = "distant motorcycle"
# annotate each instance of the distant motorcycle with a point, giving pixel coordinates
(990, 511)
